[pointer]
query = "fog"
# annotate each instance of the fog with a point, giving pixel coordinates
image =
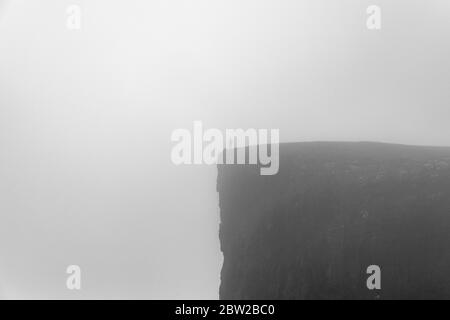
(86, 118)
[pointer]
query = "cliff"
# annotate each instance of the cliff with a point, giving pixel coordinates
(333, 209)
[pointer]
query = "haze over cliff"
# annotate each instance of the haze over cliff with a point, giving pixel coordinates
(311, 231)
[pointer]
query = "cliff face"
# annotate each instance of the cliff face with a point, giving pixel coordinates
(333, 209)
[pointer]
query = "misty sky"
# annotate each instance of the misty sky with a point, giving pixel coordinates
(86, 117)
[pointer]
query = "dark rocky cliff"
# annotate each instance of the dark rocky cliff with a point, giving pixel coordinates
(311, 231)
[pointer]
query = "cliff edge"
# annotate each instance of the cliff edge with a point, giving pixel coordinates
(333, 209)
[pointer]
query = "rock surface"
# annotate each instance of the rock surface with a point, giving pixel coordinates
(333, 209)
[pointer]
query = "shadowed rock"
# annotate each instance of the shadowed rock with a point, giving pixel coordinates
(311, 231)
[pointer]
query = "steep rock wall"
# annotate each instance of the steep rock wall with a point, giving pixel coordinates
(311, 231)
